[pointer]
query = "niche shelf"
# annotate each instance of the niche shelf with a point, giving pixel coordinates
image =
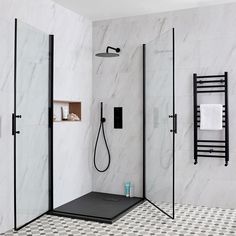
(72, 106)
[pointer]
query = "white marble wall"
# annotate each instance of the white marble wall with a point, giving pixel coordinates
(73, 81)
(205, 44)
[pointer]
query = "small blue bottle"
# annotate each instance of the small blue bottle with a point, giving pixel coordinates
(127, 189)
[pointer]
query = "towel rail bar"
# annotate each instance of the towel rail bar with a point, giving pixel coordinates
(211, 91)
(215, 156)
(198, 106)
(210, 81)
(213, 146)
(211, 151)
(211, 141)
(211, 86)
(210, 76)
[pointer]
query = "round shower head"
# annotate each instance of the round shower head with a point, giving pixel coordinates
(105, 54)
(109, 54)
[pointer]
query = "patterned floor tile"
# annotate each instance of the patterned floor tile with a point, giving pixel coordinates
(144, 220)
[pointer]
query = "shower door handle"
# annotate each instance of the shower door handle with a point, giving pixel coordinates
(14, 123)
(174, 123)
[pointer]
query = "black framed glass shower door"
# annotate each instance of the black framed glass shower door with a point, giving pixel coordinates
(160, 122)
(31, 123)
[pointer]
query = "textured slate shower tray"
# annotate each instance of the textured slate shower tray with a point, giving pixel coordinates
(102, 207)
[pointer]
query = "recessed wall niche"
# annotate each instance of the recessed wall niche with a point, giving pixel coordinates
(66, 111)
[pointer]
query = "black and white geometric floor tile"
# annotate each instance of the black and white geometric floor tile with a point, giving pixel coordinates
(144, 220)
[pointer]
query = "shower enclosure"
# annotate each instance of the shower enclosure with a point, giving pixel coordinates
(160, 127)
(32, 127)
(160, 122)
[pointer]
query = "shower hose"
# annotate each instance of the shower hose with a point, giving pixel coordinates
(101, 127)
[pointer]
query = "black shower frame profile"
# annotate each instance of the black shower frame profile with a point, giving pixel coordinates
(51, 209)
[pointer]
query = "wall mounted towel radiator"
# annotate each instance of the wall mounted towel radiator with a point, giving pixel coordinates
(211, 148)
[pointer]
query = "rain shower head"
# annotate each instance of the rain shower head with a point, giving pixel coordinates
(109, 54)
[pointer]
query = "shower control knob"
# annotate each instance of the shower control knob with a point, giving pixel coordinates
(17, 132)
(18, 116)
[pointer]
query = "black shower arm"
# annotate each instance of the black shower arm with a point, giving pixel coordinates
(115, 49)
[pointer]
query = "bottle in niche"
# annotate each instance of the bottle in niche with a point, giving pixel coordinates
(65, 113)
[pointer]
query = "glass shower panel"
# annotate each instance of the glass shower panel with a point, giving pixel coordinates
(31, 123)
(159, 138)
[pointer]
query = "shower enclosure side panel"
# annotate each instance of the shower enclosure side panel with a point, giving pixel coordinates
(31, 123)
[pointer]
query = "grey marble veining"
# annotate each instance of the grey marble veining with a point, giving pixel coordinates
(205, 44)
(202, 35)
(72, 81)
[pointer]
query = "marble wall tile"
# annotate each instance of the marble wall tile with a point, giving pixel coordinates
(72, 163)
(72, 81)
(205, 39)
(202, 35)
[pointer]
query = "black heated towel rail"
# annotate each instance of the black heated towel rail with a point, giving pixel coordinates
(211, 148)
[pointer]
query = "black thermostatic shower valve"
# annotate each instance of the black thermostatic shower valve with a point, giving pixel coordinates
(118, 117)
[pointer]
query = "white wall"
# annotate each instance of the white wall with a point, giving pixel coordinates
(111, 9)
(205, 44)
(72, 81)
